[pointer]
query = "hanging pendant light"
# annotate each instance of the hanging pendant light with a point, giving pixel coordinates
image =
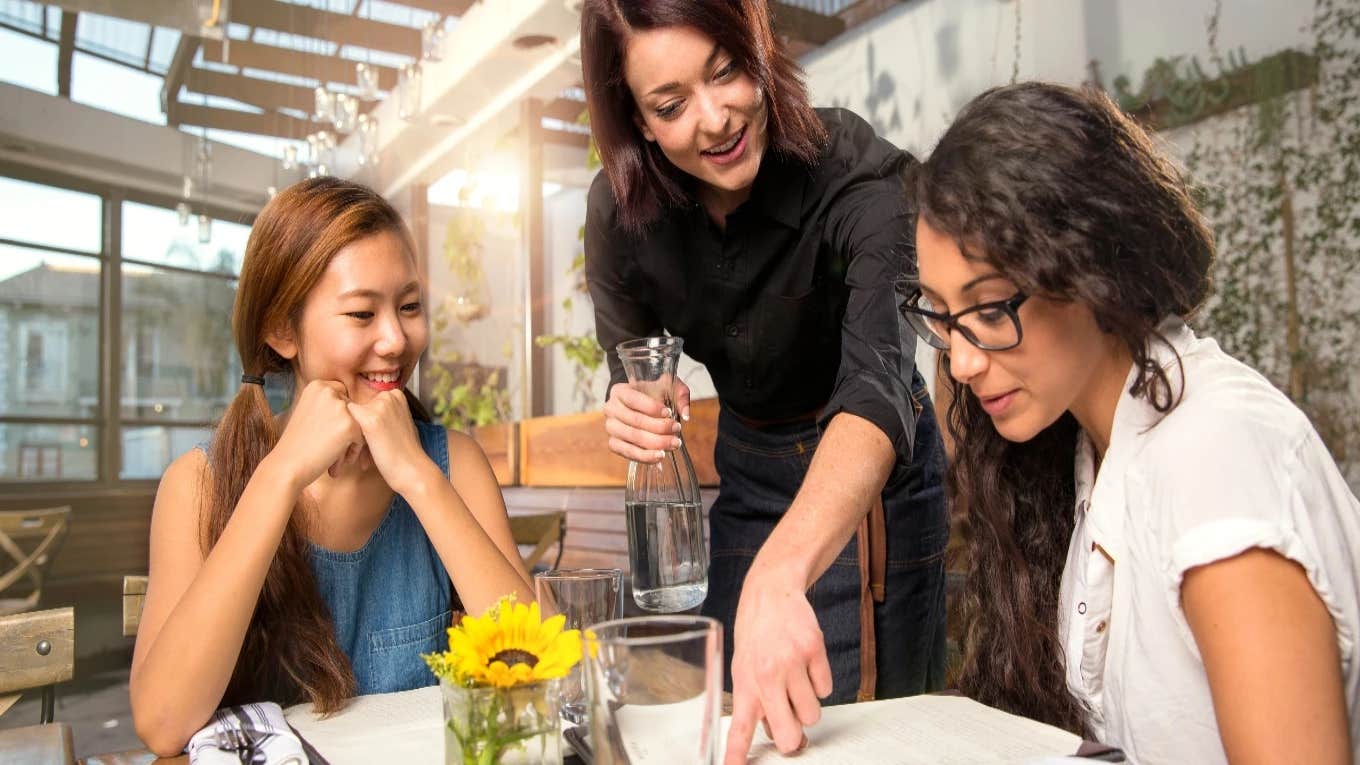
(346, 112)
(187, 188)
(366, 77)
(324, 108)
(204, 229)
(290, 156)
(203, 160)
(408, 92)
(432, 41)
(182, 213)
(368, 140)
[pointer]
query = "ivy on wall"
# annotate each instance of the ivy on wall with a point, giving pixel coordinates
(1277, 172)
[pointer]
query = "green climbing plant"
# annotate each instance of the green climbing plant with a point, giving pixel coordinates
(1279, 179)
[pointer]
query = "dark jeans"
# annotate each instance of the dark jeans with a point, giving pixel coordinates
(761, 471)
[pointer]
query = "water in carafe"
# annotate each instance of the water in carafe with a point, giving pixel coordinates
(666, 549)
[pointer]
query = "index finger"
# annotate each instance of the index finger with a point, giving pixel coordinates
(744, 714)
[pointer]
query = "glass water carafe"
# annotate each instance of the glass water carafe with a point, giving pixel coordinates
(666, 550)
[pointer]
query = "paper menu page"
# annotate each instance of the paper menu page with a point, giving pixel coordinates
(663, 734)
(930, 730)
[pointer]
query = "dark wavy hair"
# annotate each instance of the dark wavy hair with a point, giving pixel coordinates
(643, 180)
(1067, 197)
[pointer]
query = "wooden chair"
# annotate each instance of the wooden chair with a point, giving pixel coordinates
(30, 539)
(542, 530)
(134, 598)
(37, 650)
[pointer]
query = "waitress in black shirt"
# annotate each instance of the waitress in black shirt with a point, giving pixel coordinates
(769, 236)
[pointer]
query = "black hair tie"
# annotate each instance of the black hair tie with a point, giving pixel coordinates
(253, 380)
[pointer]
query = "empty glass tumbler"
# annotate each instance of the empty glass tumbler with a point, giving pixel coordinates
(585, 596)
(666, 549)
(655, 690)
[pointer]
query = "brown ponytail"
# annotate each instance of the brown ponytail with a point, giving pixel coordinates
(290, 654)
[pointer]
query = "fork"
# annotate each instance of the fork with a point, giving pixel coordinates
(245, 745)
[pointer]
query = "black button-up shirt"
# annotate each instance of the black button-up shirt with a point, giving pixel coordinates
(792, 308)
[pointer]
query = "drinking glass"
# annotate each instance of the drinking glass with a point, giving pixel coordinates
(655, 685)
(586, 596)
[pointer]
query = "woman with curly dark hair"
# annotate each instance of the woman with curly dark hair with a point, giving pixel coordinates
(1161, 550)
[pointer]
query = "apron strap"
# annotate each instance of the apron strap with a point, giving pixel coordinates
(871, 543)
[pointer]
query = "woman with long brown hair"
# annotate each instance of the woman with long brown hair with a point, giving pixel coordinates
(314, 554)
(768, 234)
(1161, 550)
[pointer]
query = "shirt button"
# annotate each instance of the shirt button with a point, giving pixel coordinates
(733, 330)
(1081, 608)
(1100, 627)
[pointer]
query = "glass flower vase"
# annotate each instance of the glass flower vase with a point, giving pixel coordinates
(488, 725)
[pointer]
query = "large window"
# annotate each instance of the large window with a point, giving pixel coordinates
(180, 368)
(174, 368)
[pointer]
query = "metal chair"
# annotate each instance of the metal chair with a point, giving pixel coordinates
(542, 530)
(37, 650)
(30, 539)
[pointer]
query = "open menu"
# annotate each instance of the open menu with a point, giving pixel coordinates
(931, 730)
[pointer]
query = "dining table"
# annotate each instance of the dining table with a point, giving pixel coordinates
(408, 727)
(405, 727)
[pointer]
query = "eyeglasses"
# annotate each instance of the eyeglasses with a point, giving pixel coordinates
(993, 326)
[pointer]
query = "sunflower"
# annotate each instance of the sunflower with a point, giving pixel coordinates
(507, 646)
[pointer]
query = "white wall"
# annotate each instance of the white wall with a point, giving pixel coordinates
(909, 70)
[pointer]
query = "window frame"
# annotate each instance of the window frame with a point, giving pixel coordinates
(108, 423)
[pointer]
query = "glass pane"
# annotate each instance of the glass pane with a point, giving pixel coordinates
(148, 451)
(163, 45)
(49, 333)
(119, 39)
(72, 220)
(48, 453)
(154, 235)
(178, 359)
(116, 88)
(28, 62)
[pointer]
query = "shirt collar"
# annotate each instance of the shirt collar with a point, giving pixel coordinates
(1133, 417)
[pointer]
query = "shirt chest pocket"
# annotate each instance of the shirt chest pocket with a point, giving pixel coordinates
(424, 636)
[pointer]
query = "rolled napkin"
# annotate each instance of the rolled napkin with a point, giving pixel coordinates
(262, 723)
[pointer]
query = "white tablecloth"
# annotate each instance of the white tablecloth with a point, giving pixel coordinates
(406, 727)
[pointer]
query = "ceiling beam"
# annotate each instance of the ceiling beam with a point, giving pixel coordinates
(274, 59)
(265, 94)
(278, 125)
(446, 7)
(250, 90)
(175, 14)
(174, 77)
(802, 24)
(66, 52)
(335, 27)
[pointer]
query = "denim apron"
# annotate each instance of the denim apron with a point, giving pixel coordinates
(391, 600)
(761, 470)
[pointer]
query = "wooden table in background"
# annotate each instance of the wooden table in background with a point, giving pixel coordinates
(37, 745)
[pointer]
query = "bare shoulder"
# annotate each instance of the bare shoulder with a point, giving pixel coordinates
(179, 492)
(464, 449)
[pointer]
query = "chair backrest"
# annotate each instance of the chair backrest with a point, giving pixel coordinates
(28, 543)
(37, 649)
(134, 598)
(542, 530)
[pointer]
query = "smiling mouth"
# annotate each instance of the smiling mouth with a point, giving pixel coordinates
(727, 145)
(382, 380)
